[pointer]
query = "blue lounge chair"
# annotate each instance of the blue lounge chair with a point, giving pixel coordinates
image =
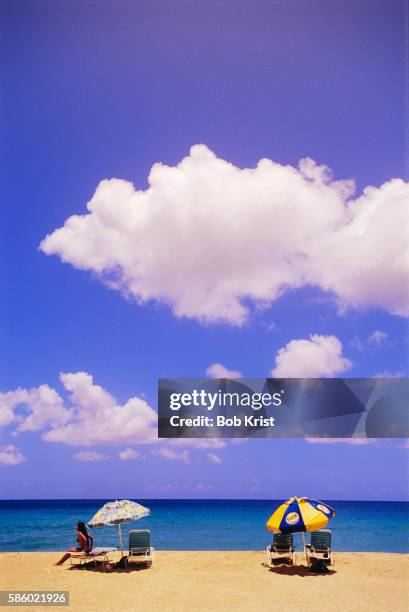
(282, 547)
(140, 549)
(319, 549)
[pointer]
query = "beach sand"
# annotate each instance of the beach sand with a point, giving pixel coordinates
(218, 581)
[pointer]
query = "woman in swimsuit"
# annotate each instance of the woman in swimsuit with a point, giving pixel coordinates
(85, 543)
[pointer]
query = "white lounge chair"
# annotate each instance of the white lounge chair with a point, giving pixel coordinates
(99, 553)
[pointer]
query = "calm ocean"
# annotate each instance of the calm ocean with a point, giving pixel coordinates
(200, 525)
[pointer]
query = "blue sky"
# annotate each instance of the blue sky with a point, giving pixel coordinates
(101, 90)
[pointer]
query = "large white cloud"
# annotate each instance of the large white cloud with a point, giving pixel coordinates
(99, 419)
(310, 358)
(210, 239)
(89, 416)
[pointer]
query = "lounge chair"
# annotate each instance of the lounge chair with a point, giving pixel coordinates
(319, 550)
(282, 547)
(101, 553)
(140, 549)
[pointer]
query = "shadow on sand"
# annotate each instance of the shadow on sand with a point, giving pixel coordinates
(285, 569)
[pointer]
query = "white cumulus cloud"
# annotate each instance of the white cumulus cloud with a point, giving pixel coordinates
(97, 418)
(212, 240)
(43, 406)
(318, 356)
(86, 414)
(7, 404)
(89, 416)
(218, 370)
(10, 455)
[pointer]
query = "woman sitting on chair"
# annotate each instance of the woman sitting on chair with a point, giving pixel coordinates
(85, 543)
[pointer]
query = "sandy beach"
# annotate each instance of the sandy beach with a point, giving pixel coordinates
(218, 581)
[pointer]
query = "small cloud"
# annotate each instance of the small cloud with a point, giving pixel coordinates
(378, 339)
(10, 455)
(356, 343)
(318, 356)
(389, 374)
(270, 326)
(351, 441)
(255, 485)
(201, 443)
(168, 453)
(204, 487)
(395, 443)
(163, 487)
(213, 458)
(128, 454)
(218, 370)
(90, 456)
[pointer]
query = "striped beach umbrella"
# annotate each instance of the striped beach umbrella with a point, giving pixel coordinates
(117, 513)
(300, 514)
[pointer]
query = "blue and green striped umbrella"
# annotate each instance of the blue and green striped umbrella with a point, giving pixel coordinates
(300, 514)
(117, 513)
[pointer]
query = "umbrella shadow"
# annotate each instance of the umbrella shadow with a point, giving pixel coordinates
(285, 569)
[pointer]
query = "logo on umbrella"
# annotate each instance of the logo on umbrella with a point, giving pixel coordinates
(292, 518)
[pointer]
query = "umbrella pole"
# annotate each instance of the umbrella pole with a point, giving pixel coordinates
(303, 539)
(121, 544)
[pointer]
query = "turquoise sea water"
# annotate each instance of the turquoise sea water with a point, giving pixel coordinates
(199, 525)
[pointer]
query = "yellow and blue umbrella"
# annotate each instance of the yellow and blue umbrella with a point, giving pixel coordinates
(300, 514)
(117, 513)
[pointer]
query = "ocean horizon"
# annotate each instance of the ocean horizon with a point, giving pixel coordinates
(187, 524)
